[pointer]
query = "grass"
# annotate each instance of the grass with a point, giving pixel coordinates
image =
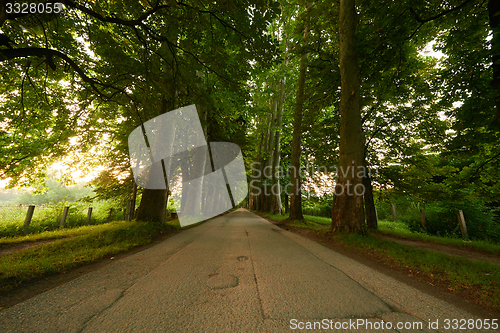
(271, 215)
(48, 217)
(399, 229)
(479, 281)
(74, 247)
(395, 228)
(79, 246)
(60, 233)
(317, 219)
(310, 222)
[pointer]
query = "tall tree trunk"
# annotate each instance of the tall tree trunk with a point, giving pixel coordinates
(268, 194)
(134, 199)
(277, 209)
(348, 212)
(295, 186)
(371, 215)
(263, 163)
(494, 14)
(153, 205)
(287, 206)
(255, 187)
(276, 191)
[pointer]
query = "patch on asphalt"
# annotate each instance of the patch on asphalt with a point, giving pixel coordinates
(220, 281)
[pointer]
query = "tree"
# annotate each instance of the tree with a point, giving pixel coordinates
(494, 19)
(144, 59)
(347, 209)
(276, 189)
(295, 173)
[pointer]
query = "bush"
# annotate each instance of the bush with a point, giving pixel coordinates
(323, 210)
(406, 209)
(384, 211)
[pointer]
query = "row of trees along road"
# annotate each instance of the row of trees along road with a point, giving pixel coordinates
(373, 98)
(319, 84)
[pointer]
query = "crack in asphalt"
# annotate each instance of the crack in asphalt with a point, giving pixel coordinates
(261, 307)
(141, 277)
(84, 324)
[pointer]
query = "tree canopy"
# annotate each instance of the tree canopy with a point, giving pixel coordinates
(77, 82)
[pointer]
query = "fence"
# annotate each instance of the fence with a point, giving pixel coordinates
(127, 215)
(325, 211)
(423, 220)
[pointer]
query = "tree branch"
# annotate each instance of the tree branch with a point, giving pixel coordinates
(221, 21)
(130, 23)
(435, 17)
(482, 165)
(423, 21)
(8, 54)
(161, 38)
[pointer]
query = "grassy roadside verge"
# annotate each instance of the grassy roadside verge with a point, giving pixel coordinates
(399, 229)
(476, 281)
(73, 248)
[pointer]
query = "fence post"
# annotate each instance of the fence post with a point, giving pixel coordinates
(63, 217)
(463, 226)
(27, 220)
(89, 215)
(393, 209)
(422, 217)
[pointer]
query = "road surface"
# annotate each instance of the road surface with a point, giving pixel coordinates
(235, 273)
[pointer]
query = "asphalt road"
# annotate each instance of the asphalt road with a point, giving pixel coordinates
(235, 273)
